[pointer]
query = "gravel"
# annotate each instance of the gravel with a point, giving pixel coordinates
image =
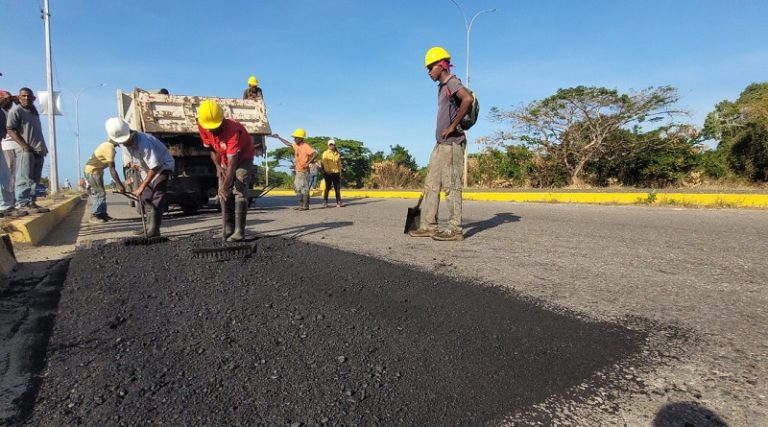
(302, 334)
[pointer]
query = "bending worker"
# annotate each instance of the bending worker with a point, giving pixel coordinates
(103, 157)
(232, 154)
(155, 164)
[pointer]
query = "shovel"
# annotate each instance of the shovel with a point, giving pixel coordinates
(413, 219)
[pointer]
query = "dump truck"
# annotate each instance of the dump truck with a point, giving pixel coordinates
(173, 120)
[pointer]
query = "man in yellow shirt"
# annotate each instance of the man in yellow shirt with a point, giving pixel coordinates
(103, 157)
(331, 162)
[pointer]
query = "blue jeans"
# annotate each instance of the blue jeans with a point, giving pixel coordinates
(312, 180)
(8, 199)
(99, 201)
(25, 184)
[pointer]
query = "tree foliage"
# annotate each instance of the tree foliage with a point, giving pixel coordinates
(573, 126)
(741, 129)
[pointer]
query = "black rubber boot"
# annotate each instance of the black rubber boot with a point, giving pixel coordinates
(229, 224)
(154, 217)
(241, 210)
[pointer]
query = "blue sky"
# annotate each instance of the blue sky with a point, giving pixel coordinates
(353, 69)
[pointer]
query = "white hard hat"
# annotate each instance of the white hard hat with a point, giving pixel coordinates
(331, 142)
(118, 130)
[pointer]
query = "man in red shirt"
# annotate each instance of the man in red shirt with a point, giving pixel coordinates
(232, 153)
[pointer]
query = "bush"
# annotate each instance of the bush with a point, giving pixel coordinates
(388, 174)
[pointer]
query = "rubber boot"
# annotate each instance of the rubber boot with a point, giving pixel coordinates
(154, 217)
(241, 210)
(229, 223)
(300, 207)
(306, 202)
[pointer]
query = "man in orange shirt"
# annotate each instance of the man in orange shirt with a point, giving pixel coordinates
(232, 153)
(303, 155)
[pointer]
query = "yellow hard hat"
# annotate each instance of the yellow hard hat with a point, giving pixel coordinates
(252, 81)
(299, 133)
(435, 54)
(209, 114)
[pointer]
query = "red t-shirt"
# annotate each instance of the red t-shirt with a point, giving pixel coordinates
(232, 138)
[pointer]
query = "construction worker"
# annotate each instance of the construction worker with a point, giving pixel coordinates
(103, 157)
(253, 91)
(155, 164)
(446, 163)
(303, 155)
(232, 153)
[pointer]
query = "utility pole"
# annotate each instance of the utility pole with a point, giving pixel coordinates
(468, 27)
(54, 178)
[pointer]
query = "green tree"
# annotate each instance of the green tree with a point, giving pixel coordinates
(402, 157)
(572, 127)
(741, 129)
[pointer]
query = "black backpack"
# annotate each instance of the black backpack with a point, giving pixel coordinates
(474, 110)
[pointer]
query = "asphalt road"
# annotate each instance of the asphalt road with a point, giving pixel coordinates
(691, 281)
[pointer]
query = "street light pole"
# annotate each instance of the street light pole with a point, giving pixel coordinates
(77, 126)
(468, 27)
(54, 175)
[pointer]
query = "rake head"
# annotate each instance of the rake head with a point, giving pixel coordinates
(144, 241)
(224, 253)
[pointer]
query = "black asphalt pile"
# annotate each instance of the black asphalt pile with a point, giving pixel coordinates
(302, 334)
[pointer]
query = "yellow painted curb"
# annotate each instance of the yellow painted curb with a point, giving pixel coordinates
(683, 199)
(33, 228)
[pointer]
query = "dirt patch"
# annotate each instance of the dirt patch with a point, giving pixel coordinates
(303, 334)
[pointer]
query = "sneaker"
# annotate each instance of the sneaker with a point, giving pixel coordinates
(35, 208)
(422, 232)
(14, 213)
(325, 204)
(96, 220)
(446, 235)
(339, 204)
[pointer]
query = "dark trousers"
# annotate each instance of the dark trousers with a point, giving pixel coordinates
(154, 194)
(335, 180)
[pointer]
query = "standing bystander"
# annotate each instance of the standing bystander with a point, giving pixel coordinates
(331, 162)
(446, 163)
(303, 155)
(7, 163)
(24, 127)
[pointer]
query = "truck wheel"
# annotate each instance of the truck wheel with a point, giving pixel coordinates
(189, 209)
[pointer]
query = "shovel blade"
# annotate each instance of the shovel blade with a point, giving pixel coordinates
(412, 220)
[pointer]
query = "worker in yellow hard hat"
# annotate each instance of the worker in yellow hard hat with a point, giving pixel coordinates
(446, 163)
(232, 154)
(253, 91)
(303, 155)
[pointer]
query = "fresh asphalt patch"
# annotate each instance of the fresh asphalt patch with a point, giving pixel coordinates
(302, 334)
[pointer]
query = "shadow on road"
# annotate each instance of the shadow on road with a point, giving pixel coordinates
(307, 229)
(682, 414)
(486, 224)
